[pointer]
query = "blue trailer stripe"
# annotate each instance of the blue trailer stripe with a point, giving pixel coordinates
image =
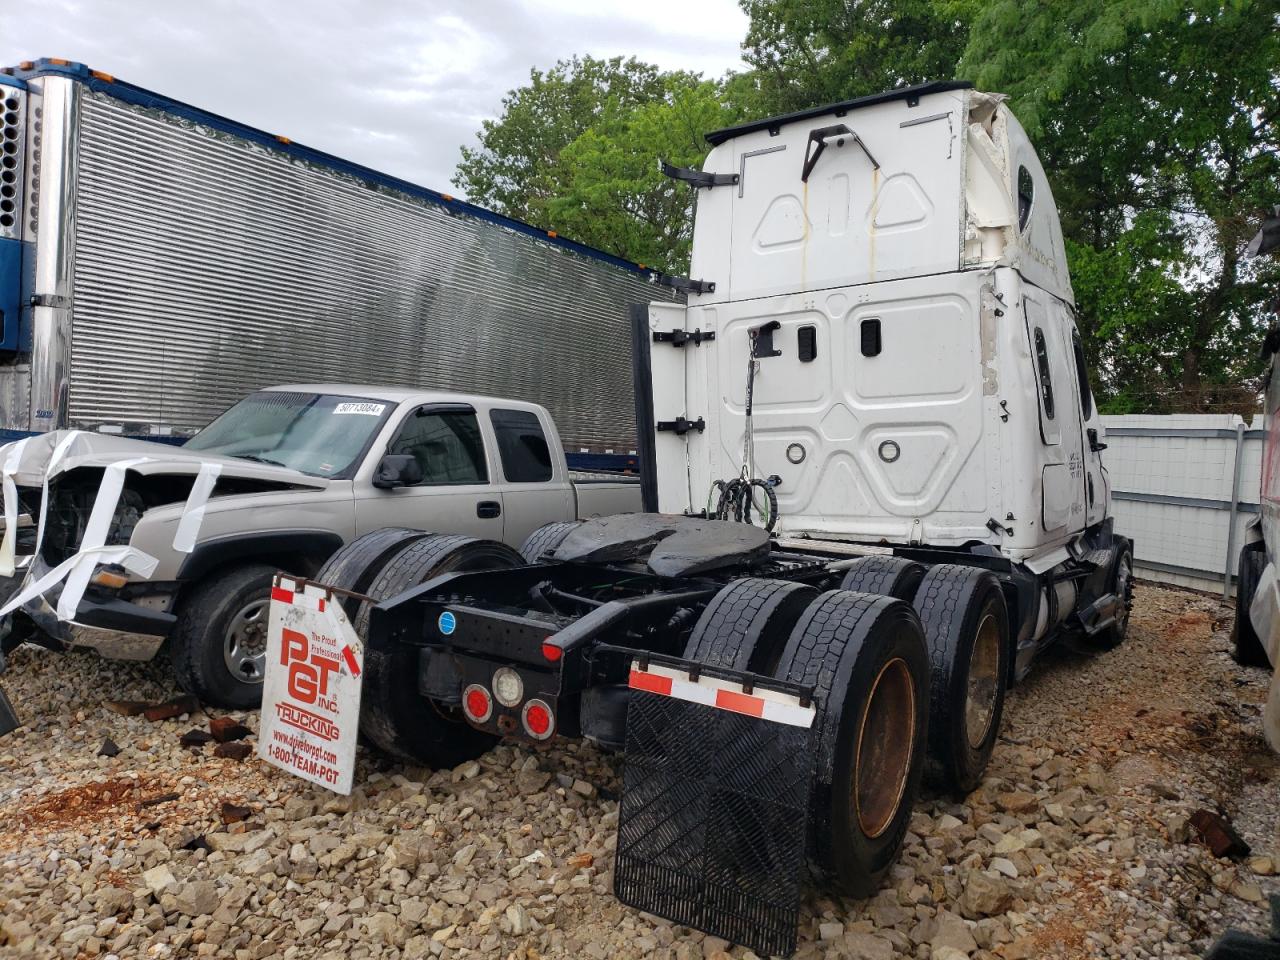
(146, 98)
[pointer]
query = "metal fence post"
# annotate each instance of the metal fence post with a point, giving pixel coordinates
(1235, 507)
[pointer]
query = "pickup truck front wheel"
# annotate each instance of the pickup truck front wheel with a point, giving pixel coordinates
(219, 643)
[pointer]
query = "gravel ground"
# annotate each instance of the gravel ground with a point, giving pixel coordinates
(1077, 845)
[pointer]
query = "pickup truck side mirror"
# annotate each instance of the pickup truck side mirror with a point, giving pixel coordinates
(397, 470)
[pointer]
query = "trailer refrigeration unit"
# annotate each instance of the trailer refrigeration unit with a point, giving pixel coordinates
(159, 262)
(875, 463)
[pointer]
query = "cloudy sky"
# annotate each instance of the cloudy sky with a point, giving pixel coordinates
(397, 86)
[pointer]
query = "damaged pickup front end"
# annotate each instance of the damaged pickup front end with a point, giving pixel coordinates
(73, 501)
(95, 529)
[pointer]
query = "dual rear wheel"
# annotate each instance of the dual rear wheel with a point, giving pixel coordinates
(393, 717)
(966, 628)
(903, 691)
(865, 659)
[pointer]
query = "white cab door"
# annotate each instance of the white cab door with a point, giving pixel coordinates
(1063, 480)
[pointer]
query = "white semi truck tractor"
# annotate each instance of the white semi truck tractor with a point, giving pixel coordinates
(872, 467)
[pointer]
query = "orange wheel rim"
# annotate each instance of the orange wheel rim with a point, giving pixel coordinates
(886, 742)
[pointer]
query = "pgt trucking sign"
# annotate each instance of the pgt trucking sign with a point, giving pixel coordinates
(311, 687)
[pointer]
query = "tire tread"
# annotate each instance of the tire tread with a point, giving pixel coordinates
(546, 537)
(382, 702)
(821, 654)
(886, 576)
(943, 602)
(190, 638)
(1246, 646)
(728, 620)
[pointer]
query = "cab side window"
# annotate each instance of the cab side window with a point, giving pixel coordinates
(1042, 367)
(1086, 395)
(522, 445)
(447, 445)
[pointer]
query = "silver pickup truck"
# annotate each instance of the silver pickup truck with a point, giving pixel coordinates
(117, 544)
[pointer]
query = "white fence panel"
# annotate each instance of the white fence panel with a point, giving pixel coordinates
(1180, 485)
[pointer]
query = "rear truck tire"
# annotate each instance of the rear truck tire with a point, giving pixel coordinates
(884, 576)
(966, 625)
(866, 660)
(1246, 646)
(545, 539)
(746, 624)
(219, 642)
(355, 565)
(393, 716)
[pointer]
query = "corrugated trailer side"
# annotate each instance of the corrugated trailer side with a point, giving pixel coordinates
(182, 259)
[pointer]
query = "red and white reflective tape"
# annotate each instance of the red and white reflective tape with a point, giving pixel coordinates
(298, 598)
(348, 655)
(721, 694)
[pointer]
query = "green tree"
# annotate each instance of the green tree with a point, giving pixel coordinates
(1157, 124)
(809, 52)
(610, 192)
(514, 170)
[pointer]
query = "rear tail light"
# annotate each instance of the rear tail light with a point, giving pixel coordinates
(477, 704)
(551, 652)
(539, 722)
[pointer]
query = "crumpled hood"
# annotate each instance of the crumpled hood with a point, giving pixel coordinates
(86, 449)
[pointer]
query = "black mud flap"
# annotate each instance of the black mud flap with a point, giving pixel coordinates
(8, 718)
(711, 829)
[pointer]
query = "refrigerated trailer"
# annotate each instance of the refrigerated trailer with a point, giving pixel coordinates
(158, 262)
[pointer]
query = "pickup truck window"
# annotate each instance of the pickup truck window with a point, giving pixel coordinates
(447, 445)
(526, 458)
(321, 434)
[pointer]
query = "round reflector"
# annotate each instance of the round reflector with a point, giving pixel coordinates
(476, 703)
(539, 722)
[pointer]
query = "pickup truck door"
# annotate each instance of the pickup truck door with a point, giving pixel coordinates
(457, 493)
(534, 482)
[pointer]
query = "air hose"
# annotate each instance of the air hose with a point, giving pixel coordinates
(737, 497)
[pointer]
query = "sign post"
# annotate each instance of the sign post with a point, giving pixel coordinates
(311, 686)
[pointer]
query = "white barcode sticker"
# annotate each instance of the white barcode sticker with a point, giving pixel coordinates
(368, 409)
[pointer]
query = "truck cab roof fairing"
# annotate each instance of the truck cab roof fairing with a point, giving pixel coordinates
(717, 137)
